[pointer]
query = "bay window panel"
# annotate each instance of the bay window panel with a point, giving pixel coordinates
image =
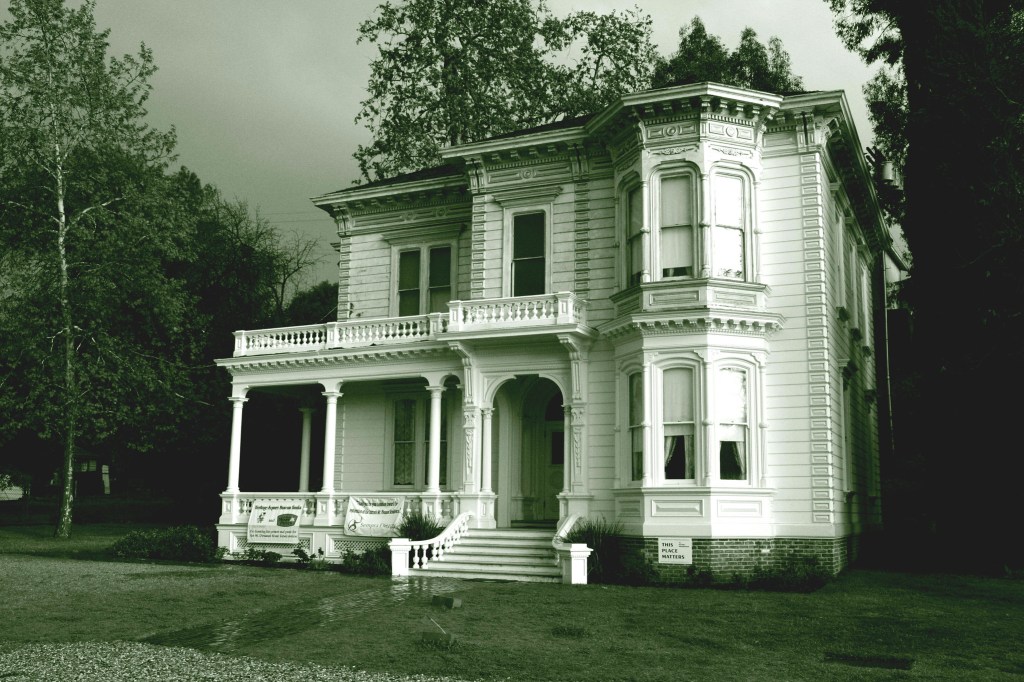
(634, 243)
(676, 228)
(732, 453)
(678, 415)
(679, 453)
(727, 255)
(728, 201)
(731, 410)
(677, 251)
(636, 417)
(676, 201)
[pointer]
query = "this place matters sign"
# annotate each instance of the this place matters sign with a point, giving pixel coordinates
(675, 551)
(374, 516)
(275, 521)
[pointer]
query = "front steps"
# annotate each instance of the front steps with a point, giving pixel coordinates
(500, 554)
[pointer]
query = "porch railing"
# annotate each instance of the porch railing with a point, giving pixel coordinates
(352, 334)
(425, 551)
(543, 310)
(546, 310)
(321, 509)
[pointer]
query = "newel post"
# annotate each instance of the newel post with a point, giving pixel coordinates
(573, 560)
(400, 548)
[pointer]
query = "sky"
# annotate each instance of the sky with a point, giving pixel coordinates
(263, 93)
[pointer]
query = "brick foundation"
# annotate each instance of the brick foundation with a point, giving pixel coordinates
(726, 557)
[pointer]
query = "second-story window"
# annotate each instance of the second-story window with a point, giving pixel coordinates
(634, 235)
(528, 262)
(424, 280)
(727, 258)
(676, 227)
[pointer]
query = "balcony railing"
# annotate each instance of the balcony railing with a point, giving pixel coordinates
(496, 314)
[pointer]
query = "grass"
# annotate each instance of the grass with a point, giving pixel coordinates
(865, 625)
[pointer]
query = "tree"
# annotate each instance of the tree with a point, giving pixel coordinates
(704, 57)
(315, 305)
(64, 108)
(453, 71)
(963, 127)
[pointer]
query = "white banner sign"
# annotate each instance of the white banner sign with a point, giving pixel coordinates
(275, 521)
(675, 551)
(374, 516)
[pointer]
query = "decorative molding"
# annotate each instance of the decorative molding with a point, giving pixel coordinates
(729, 151)
(672, 151)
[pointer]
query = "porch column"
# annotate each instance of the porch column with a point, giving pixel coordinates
(307, 427)
(434, 451)
(485, 449)
(330, 433)
(236, 442)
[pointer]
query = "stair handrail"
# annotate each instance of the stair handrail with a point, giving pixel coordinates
(425, 551)
(571, 556)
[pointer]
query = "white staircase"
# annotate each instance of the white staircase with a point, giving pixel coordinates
(500, 554)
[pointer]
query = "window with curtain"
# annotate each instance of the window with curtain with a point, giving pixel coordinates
(636, 430)
(675, 232)
(731, 411)
(528, 265)
(727, 240)
(678, 423)
(634, 235)
(404, 441)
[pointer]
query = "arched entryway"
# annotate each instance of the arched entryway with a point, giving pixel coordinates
(530, 451)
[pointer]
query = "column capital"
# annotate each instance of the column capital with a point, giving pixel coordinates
(332, 396)
(435, 390)
(238, 400)
(307, 410)
(487, 412)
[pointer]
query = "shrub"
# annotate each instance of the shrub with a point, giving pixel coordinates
(258, 557)
(605, 539)
(180, 543)
(419, 526)
(314, 562)
(375, 561)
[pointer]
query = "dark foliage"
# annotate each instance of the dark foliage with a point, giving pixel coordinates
(180, 543)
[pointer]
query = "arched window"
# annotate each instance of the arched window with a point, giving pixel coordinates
(678, 421)
(636, 429)
(731, 412)
(728, 238)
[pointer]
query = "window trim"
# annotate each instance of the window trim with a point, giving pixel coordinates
(424, 247)
(508, 242)
(657, 271)
(421, 449)
(747, 217)
(700, 398)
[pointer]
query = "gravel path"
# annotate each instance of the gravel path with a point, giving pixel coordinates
(113, 661)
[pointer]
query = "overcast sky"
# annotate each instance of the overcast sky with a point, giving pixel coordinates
(263, 93)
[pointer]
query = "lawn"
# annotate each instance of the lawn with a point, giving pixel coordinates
(865, 625)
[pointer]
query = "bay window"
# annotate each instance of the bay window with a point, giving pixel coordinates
(634, 235)
(678, 423)
(636, 429)
(675, 232)
(731, 413)
(727, 239)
